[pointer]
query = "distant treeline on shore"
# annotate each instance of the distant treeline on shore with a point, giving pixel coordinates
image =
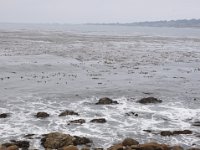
(172, 23)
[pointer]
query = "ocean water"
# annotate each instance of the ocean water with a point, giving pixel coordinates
(52, 68)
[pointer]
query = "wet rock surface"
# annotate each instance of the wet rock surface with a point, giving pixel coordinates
(81, 140)
(106, 101)
(149, 100)
(196, 123)
(99, 120)
(70, 147)
(170, 133)
(68, 112)
(56, 140)
(4, 115)
(42, 115)
(78, 121)
(24, 145)
(129, 142)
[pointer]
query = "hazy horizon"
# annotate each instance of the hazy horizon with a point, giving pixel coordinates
(96, 11)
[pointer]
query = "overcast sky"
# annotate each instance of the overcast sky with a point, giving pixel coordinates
(96, 11)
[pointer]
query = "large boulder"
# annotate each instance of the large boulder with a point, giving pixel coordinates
(149, 100)
(129, 142)
(56, 140)
(105, 101)
(68, 112)
(99, 120)
(42, 115)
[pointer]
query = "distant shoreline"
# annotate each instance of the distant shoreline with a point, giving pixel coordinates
(192, 23)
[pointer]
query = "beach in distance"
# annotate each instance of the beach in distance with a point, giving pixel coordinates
(98, 85)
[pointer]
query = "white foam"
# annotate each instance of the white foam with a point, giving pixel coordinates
(164, 116)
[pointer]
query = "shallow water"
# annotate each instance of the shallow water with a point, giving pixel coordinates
(53, 70)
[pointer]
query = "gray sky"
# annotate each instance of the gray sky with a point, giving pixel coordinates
(93, 11)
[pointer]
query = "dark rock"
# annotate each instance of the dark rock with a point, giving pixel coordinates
(4, 115)
(7, 144)
(100, 120)
(79, 121)
(183, 132)
(149, 131)
(149, 100)
(56, 140)
(166, 133)
(129, 142)
(24, 145)
(81, 140)
(97, 148)
(197, 123)
(106, 100)
(21, 144)
(132, 114)
(42, 115)
(193, 149)
(169, 133)
(29, 136)
(68, 112)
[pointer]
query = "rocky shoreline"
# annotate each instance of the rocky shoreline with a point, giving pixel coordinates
(62, 141)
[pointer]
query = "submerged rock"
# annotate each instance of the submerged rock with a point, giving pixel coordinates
(149, 100)
(81, 140)
(4, 115)
(68, 112)
(42, 115)
(106, 100)
(100, 120)
(56, 140)
(129, 142)
(78, 121)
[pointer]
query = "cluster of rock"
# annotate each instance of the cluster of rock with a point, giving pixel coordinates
(61, 141)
